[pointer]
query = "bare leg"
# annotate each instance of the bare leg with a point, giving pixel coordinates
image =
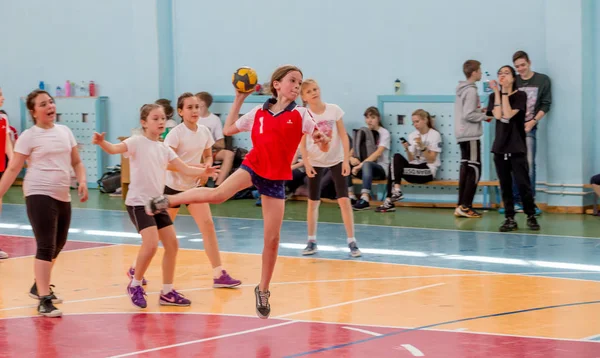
(312, 216)
(347, 215)
(273, 210)
(226, 157)
(239, 180)
(169, 240)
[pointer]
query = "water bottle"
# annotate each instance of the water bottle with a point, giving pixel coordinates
(486, 83)
(67, 89)
(397, 86)
(59, 92)
(92, 89)
(41, 85)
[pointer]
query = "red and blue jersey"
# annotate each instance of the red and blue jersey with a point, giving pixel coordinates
(275, 138)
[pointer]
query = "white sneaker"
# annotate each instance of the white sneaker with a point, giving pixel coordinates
(3, 255)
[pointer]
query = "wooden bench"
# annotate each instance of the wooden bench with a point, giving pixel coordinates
(594, 210)
(487, 202)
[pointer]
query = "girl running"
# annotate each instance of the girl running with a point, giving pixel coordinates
(149, 159)
(277, 128)
(329, 121)
(50, 150)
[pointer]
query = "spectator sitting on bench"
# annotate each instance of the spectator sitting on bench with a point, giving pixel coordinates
(220, 152)
(423, 149)
(374, 167)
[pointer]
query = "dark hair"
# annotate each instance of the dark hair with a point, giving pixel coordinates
(520, 54)
(425, 115)
(146, 109)
(279, 74)
(181, 99)
(514, 74)
(471, 66)
(373, 111)
(30, 101)
(166, 104)
(206, 98)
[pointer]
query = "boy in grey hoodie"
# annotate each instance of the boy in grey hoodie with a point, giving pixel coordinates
(468, 130)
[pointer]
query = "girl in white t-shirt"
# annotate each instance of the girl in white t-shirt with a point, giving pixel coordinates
(149, 159)
(50, 150)
(193, 144)
(329, 121)
(423, 149)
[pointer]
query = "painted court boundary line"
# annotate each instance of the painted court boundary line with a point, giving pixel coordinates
(205, 339)
(331, 348)
(516, 233)
(360, 300)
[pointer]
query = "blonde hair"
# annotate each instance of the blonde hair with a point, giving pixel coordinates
(305, 84)
(424, 115)
(279, 74)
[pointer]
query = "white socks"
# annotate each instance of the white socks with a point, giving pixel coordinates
(350, 240)
(217, 271)
(167, 288)
(135, 282)
(312, 238)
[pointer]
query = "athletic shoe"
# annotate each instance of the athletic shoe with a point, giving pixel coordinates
(225, 281)
(47, 309)
(3, 255)
(131, 274)
(156, 205)
(263, 308)
(310, 249)
(173, 298)
(387, 207)
(136, 294)
(354, 251)
(33, 293)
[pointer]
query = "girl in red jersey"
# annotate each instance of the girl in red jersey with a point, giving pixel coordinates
(277, 128)
(7, 148)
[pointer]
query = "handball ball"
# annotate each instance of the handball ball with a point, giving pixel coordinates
(244, 79)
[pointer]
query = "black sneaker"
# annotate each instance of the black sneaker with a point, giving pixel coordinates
(156, 205)
(47, 309)
(387, 207)
(362, 204)
(310, 249)
(532, 223)
(263, 308)
(354, 251)
(509, 224)
(33, 293)
(353, 201)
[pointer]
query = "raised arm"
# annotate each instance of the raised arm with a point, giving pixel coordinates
(230, 127)
(107, 146)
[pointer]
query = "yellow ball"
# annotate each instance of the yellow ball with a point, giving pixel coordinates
(244, 79)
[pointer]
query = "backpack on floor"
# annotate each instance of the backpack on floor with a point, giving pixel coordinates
(365, 142)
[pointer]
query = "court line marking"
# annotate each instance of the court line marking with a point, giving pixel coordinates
(206, 339)
(64, 251)
(514, 233)
(362, 331)
(343, 345)
(413, 350)
(478, 272)
(360, 300)
(592, 338)
(303, 321)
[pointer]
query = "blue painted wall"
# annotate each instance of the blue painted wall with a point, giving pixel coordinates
(139, 50)
(112, 42)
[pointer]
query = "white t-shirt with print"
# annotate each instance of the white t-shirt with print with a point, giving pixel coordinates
(49, 163)
(213, 123)
(327, 124)
(148, 161)
(385, 140)
(433, 141)
(189, 146)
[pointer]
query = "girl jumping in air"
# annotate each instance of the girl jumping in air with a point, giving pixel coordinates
(277, 127)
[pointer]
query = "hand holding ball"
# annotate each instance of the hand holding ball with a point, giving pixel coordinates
(244, 79)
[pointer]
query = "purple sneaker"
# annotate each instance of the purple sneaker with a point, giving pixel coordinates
(173, 298)
(136, 293)
(225, 281)
(131, 273)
